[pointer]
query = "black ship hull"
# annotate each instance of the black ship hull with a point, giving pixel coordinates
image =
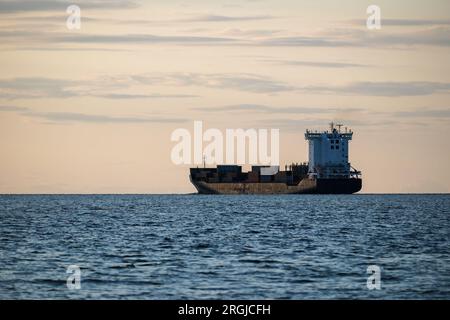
(305, 186)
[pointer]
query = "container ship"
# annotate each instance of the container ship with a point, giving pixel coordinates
(327, 172)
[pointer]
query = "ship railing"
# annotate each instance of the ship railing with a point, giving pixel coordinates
(356, 174)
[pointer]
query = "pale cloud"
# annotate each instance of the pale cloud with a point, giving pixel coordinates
(345, 37)
(317, 64)
(313, 116)
(265, 84)
(12, 109)
(75, 117)
(298, 125)
(113, 87)
(306, 41)
(141, 39)
(425, 113)
(125, 96)
(15, 6)
(273, 110)
(384, 89)
(249, 33)
(240, 81)
(56, 17)
(406, 22)
(439, 36)
(223, 18)
(36, 87)
(70, 117)
(107, 87)
(41, 87)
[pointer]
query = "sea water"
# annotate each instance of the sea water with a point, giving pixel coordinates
(225, 247)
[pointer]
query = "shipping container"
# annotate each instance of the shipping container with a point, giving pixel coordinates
(266, 178)
(229, 168)
(253, 177)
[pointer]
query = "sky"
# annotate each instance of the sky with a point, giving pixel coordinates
(91, 110)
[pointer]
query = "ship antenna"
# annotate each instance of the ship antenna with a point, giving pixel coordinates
(204, 161)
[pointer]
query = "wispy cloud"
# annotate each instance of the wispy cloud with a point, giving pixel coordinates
(317, 64)
(344, 37)
(60, 15)
(437, 36)
(385, 89)
(437, 113)
(296, 125)
(91, 118)
(12, 109)
(337, 38)
(14, 6)
(115, 87)
(424, 113)
(125, 96)
(140, 39)
(407, 22)
(250, 33)
(273, 110)
(304, 41)
(223, 18)
(74, 117)
(41, 87)
(251, 83)
(240, 82)
(110, 87)
(291, 125)
(36, 87)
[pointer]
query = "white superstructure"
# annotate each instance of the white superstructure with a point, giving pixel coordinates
(328, 153)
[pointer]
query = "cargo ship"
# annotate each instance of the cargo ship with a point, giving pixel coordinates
(327, 172)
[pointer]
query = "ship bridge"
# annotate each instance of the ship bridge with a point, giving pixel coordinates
(328, 153)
